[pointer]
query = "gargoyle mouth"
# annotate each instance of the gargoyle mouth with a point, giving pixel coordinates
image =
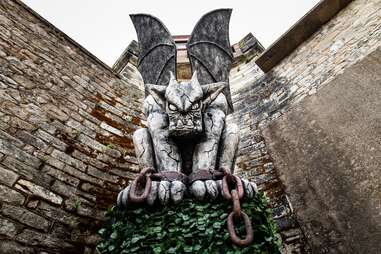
(191, 128)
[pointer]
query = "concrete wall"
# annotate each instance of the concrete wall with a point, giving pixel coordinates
(65, 137)
(328, 154)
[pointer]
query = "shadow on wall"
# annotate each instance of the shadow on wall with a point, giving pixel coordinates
(327, 151)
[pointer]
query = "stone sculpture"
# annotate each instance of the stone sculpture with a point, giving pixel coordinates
(187, 145)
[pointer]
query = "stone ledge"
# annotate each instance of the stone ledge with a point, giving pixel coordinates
(300, 32)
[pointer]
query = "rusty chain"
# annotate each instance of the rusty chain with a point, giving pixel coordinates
(235, 184)
(232, 189)
(138, 194)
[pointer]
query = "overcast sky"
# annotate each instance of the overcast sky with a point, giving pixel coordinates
(105, 29)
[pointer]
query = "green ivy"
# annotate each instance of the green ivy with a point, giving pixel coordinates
(189, 227)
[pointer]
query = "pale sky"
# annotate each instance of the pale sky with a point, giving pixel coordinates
(105, 29)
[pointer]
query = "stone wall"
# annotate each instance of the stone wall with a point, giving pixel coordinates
(262, 98)
(328, 153)
(65, 137)
(254, 161)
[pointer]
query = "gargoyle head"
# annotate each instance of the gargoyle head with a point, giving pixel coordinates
(185, 103)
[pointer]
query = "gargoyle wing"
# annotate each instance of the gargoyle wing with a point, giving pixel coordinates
(209, 50)
(157, 56)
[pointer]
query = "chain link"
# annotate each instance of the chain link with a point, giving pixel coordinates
(143, 179)
(235, 195)
(232, 189)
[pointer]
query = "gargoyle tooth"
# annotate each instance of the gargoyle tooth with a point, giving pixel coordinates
(190, 123)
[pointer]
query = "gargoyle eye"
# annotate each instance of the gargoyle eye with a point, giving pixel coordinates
(172, 107)
(195, 106)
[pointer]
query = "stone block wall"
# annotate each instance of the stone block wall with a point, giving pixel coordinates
(261, 98)
(254, 161)
(65, 136)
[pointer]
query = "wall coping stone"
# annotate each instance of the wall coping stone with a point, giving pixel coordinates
(320, 14)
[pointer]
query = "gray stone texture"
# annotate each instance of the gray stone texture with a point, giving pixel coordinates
(25, 217)
(328, 153)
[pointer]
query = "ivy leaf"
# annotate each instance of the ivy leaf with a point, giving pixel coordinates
(135, 239)
(217, 225)
(157, 249)
(197, 247)
(192, 227)
(188, 249)
(114, 235)
(102, 231)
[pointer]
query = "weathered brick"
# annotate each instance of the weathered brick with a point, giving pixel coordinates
(81, 128)
(63, 189)
(31, 188)
(81, 175)
(11, 196)
(28, 172)
(9, 149)
(68, 191)
(102, 175)
(12, 247)
(111, 129)
(31, 140)
(7, 228)
(25, 216)
(51, 139)
(34, 238)
(57, 214)
(88, 160)
(23, 81)
(14, 141)
(54, 112)
(123, 173)
(17, 123)
(88, 211)
(91, 143)
(98, 146)
(69, 160)
(54, 162)
(8, 177)
(60, 175)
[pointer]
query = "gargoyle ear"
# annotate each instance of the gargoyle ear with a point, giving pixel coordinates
(158, 93)
(194, 79)
(172, 77)
(211, 91)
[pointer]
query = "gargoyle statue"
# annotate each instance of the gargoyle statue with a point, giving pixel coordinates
(187, 136)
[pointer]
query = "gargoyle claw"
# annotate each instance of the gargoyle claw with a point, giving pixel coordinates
(177, 190)
(164, 192)
(211, 189)
(198, 189)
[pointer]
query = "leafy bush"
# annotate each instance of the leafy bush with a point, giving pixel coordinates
(189, 227)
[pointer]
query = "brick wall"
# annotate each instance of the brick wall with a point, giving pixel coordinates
(65, 137)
